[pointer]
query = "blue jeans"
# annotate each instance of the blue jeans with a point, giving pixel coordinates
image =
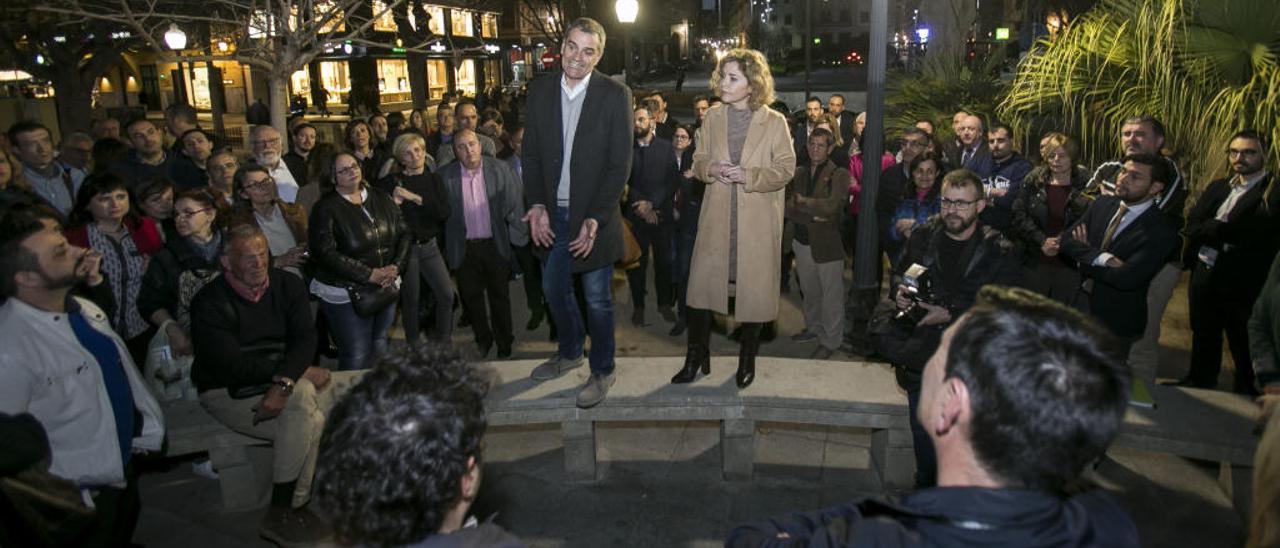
(926, 460)
(360, 340)
(557, 284)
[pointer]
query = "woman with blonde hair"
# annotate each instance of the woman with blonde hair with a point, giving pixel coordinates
(745, 157)
(1052, 198)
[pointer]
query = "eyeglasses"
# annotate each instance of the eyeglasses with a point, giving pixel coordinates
(958, 205)
(260, 184)
(275, 141)
(186, 214)
(1242, 152)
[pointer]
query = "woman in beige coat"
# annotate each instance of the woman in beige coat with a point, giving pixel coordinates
(745, 157)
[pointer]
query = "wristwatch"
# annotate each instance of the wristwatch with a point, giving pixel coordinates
(285, 385)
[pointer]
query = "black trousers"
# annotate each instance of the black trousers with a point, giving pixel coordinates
(1213, 313)
(484, 276)
(117, 513)
(532, 278)
(656, 242)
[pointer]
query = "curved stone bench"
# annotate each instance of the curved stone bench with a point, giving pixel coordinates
(786, 390)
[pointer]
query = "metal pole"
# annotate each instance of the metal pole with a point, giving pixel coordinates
(808, 42)
(865, 291)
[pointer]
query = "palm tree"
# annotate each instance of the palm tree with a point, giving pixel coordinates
(1206, 68)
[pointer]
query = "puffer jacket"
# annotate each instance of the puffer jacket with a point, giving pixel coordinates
(346, 244)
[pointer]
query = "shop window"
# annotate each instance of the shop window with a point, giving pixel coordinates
(386, 21)
(335, 78)
(437, 78)
(466, 77)
(393, 80)
(492, 74)
(489, 25)
(436, 24)
(461, 23)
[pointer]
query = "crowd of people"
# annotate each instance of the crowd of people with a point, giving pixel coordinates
(135, 273)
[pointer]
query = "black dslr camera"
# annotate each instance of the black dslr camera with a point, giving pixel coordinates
(918, 285)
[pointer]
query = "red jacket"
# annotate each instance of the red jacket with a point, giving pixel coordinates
(142, 229)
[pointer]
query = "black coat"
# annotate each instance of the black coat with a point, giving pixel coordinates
(653, 176)
(1246, 242)
(425, 221)
(689, 197)
(1031, 211)
(946, 517)
(988, 258)
(1119, 295)
(176, 270)
(600, 161)
(346, 246)
(298, 168)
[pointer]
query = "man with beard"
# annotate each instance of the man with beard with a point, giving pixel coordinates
(800, 134)
(1145, 135)
(1008, 168)
(1232, 232)
(63, 364)
(148, 158)
(1121, 243)
(651, 189)
(961, 255)
(267, 148)
(304, 140)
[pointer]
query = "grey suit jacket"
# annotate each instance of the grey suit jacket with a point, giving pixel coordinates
(506, 210)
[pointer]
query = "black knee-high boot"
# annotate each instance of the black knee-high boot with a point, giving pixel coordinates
(698, 355)
(747, 354)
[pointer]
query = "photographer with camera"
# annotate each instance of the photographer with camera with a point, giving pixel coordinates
(944, 265)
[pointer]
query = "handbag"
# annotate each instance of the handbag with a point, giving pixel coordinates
(370, 299)
(630, 247)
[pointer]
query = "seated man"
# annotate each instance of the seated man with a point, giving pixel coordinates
(62, 364)
(1022, 395)
(424, 412)
(254, 339)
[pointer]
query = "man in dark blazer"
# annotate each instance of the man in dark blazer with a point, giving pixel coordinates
(485, 196)
(1121, 242)
(577, 157)
(1232, 237)
(848, 123)
(650, 193)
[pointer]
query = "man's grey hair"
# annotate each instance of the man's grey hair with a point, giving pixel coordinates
(589, 26)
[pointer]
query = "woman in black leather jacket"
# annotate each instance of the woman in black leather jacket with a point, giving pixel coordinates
(1052, 198)
(357, 240)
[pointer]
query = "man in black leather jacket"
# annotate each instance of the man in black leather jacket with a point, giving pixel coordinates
(961, 255)
(1020, 397)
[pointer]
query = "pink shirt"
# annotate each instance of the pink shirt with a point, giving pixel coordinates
(475, 204)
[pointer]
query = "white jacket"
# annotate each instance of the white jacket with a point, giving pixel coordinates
(46, 372)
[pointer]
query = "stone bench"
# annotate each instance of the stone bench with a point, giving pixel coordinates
(785, 390)
(190, 430)
(1200, 424)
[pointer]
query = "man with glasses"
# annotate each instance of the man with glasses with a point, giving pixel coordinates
(960, 255)
(268, 150)
(1232, 237)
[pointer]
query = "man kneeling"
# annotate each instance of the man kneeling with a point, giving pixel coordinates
(400, 458)
(254, 340)
(1021, 395)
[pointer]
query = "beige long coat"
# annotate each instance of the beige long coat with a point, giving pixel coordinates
(769, 161)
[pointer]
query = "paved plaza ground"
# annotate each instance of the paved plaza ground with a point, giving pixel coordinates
(662, 482)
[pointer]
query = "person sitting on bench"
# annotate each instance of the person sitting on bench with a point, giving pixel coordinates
(254, 339)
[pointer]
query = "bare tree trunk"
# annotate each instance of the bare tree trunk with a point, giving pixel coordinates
(418, 78)
(278, 81)
(74, 101)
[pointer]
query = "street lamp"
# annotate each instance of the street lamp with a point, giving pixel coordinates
(175, 38)
(627, 10)
(177, 41)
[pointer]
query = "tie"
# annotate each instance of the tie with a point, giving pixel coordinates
(1115, 224)
(964, 158)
